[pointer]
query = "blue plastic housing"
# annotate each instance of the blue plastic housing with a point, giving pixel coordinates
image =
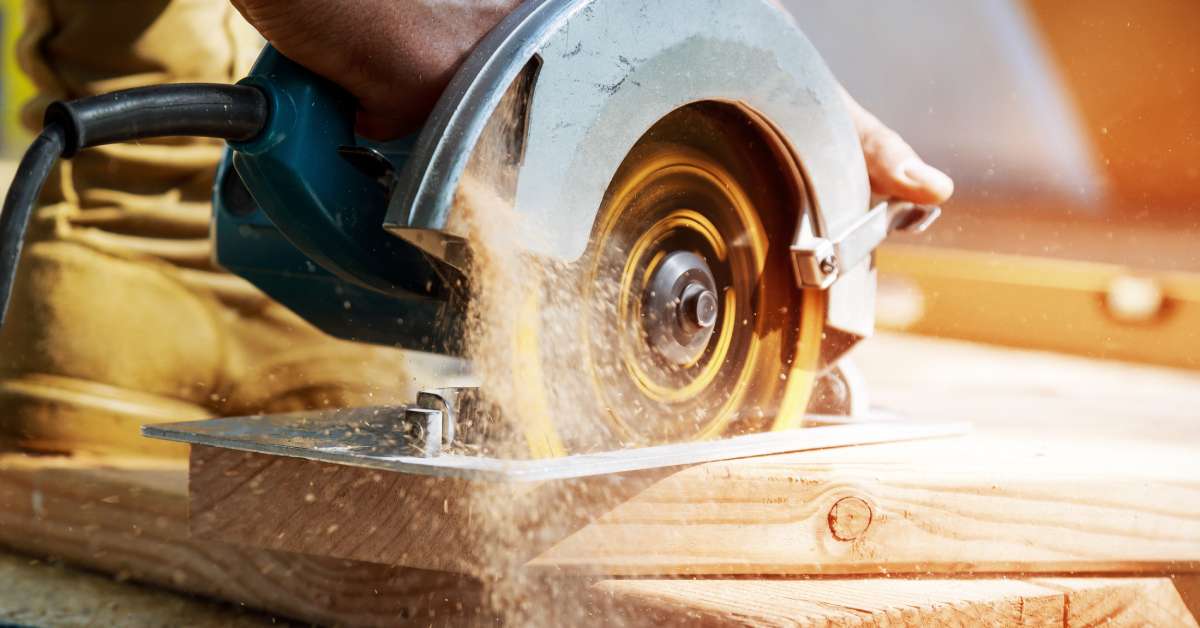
(298, 220)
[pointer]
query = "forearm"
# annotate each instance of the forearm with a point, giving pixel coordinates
(395, 56)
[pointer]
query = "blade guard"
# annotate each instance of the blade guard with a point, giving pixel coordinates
(600, 86)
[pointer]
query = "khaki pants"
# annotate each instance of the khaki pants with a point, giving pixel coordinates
(119, 316)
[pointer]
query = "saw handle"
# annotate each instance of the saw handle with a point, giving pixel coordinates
(307, 173)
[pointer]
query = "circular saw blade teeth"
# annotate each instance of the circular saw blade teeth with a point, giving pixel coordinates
(680, 323)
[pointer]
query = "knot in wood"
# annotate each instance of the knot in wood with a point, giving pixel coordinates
(849, 518)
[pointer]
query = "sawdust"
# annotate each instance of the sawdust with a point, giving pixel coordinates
(538, 355)
(518, 301)
(501, 285)
(518, 308)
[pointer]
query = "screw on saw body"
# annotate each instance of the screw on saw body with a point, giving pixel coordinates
(828, 265)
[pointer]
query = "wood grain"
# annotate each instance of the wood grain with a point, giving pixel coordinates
(1120, 602)
(448, 524)
(969, 506)
(1078, 465)
(973, 505)
(895, 602)
(129, 518)
(88, 513)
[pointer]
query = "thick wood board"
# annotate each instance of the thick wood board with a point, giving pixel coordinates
(893, 602)
(129, 518)
(143, 501)
(1076, 464)
(972, 505)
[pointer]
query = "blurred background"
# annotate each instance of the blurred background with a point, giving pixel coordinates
(1043, 110)
(1072, 129)
(15, 87)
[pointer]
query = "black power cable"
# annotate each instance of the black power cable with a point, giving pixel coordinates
(18, 204)
(229, 112)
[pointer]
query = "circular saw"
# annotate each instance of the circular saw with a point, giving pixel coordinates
(687, 225)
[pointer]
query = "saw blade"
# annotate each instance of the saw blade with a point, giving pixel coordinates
(682, 321)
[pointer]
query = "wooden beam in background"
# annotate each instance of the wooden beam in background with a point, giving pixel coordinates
(1090, 309)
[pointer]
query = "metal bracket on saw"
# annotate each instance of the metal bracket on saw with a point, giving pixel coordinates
(819, 261)
(417, 440)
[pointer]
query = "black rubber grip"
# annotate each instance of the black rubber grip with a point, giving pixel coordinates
(22, 195)
(230, 112)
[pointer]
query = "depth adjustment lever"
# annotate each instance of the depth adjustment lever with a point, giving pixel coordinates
(818, 261)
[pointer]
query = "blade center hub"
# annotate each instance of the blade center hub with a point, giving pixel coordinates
(680, 308)
(697, 307)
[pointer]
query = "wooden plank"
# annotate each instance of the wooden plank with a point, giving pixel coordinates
(948, 506)
(1121, 432)
(129, 518)
(895, 602)
(122, 500)
(1188, 586)
(356, 513)
(1148, 602)
(1091, 309)
(972, 506)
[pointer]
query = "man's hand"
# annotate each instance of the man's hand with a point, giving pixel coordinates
(893, 166)
(396, 57)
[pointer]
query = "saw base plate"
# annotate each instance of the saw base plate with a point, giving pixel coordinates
(378, 438)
